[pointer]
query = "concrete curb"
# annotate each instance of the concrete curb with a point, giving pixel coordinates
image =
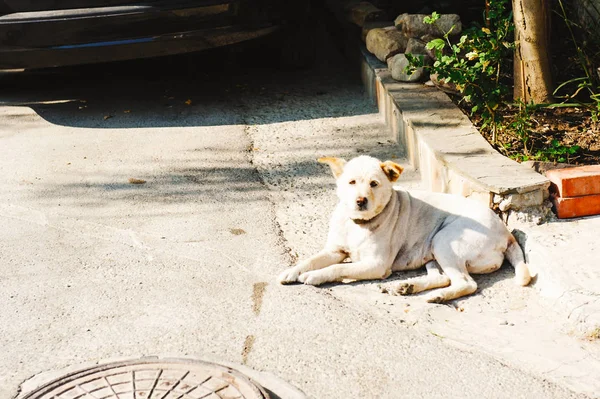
(451, 155)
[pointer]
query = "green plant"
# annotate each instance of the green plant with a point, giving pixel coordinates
(521, 127)
(583, 83)
(476, 62)
(556, 152)
(479, 64)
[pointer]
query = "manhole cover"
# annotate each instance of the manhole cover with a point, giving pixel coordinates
(152, 379)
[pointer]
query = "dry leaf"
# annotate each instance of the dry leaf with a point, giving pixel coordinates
(136, 181)
(127, 111)
(107, 117)
(188, 102)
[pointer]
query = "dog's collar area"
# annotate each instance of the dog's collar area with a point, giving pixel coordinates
(374, 218)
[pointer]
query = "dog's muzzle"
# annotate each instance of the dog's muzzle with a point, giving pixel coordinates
(362, 203)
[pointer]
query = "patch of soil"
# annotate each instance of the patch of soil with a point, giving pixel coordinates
(566, 135)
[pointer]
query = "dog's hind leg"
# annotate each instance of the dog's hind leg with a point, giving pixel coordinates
(461, 283)
(433, 279)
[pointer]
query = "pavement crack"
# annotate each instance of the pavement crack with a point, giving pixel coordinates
(281, 239)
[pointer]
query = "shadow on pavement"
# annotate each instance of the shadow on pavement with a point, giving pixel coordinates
(209, 88)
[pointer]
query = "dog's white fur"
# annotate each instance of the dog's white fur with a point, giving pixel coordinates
(397, 230)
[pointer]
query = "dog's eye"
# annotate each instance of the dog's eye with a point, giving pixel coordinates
(352, 182)
(374, 183)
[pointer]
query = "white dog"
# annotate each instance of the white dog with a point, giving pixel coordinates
(383, 229)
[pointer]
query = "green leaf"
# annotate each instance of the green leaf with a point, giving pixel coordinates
(430, 20)
(437, 44)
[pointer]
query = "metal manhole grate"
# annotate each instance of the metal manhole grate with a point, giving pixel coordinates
(152, 379)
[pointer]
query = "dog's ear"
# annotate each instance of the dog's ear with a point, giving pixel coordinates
(392, 170)
(336, 165)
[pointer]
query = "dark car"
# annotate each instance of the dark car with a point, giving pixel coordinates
(48, 33)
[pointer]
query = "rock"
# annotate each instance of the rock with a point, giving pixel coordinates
(386, 42)
(363, 12)
(415, 46)
(532, 215)
(413, 26)
(397, 66)
(370, 25)
(520, 201)
(398, 63)
(443, 85)
(450, 23)
(426, 39)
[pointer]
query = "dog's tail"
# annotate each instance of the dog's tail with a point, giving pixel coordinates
(514, 254)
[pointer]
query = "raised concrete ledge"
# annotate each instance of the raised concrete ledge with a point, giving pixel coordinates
(442, 143)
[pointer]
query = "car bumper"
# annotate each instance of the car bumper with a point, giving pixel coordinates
(70, 37)
(127, 49)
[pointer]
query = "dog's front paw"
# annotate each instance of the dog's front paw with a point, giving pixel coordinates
(312, 278)
(434, 298)
(403, 289)
(289, 276)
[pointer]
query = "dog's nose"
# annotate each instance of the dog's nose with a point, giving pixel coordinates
(361, 202)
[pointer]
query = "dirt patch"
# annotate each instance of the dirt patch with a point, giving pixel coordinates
(594, 335)
(258, 291)
(248, 344)
(567, 135)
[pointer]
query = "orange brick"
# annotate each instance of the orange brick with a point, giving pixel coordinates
(572, 207)
(575, 182)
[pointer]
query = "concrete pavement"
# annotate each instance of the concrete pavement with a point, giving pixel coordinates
(566, 256)
(94, 267)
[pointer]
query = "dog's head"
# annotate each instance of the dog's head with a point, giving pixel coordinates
(364, 184)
